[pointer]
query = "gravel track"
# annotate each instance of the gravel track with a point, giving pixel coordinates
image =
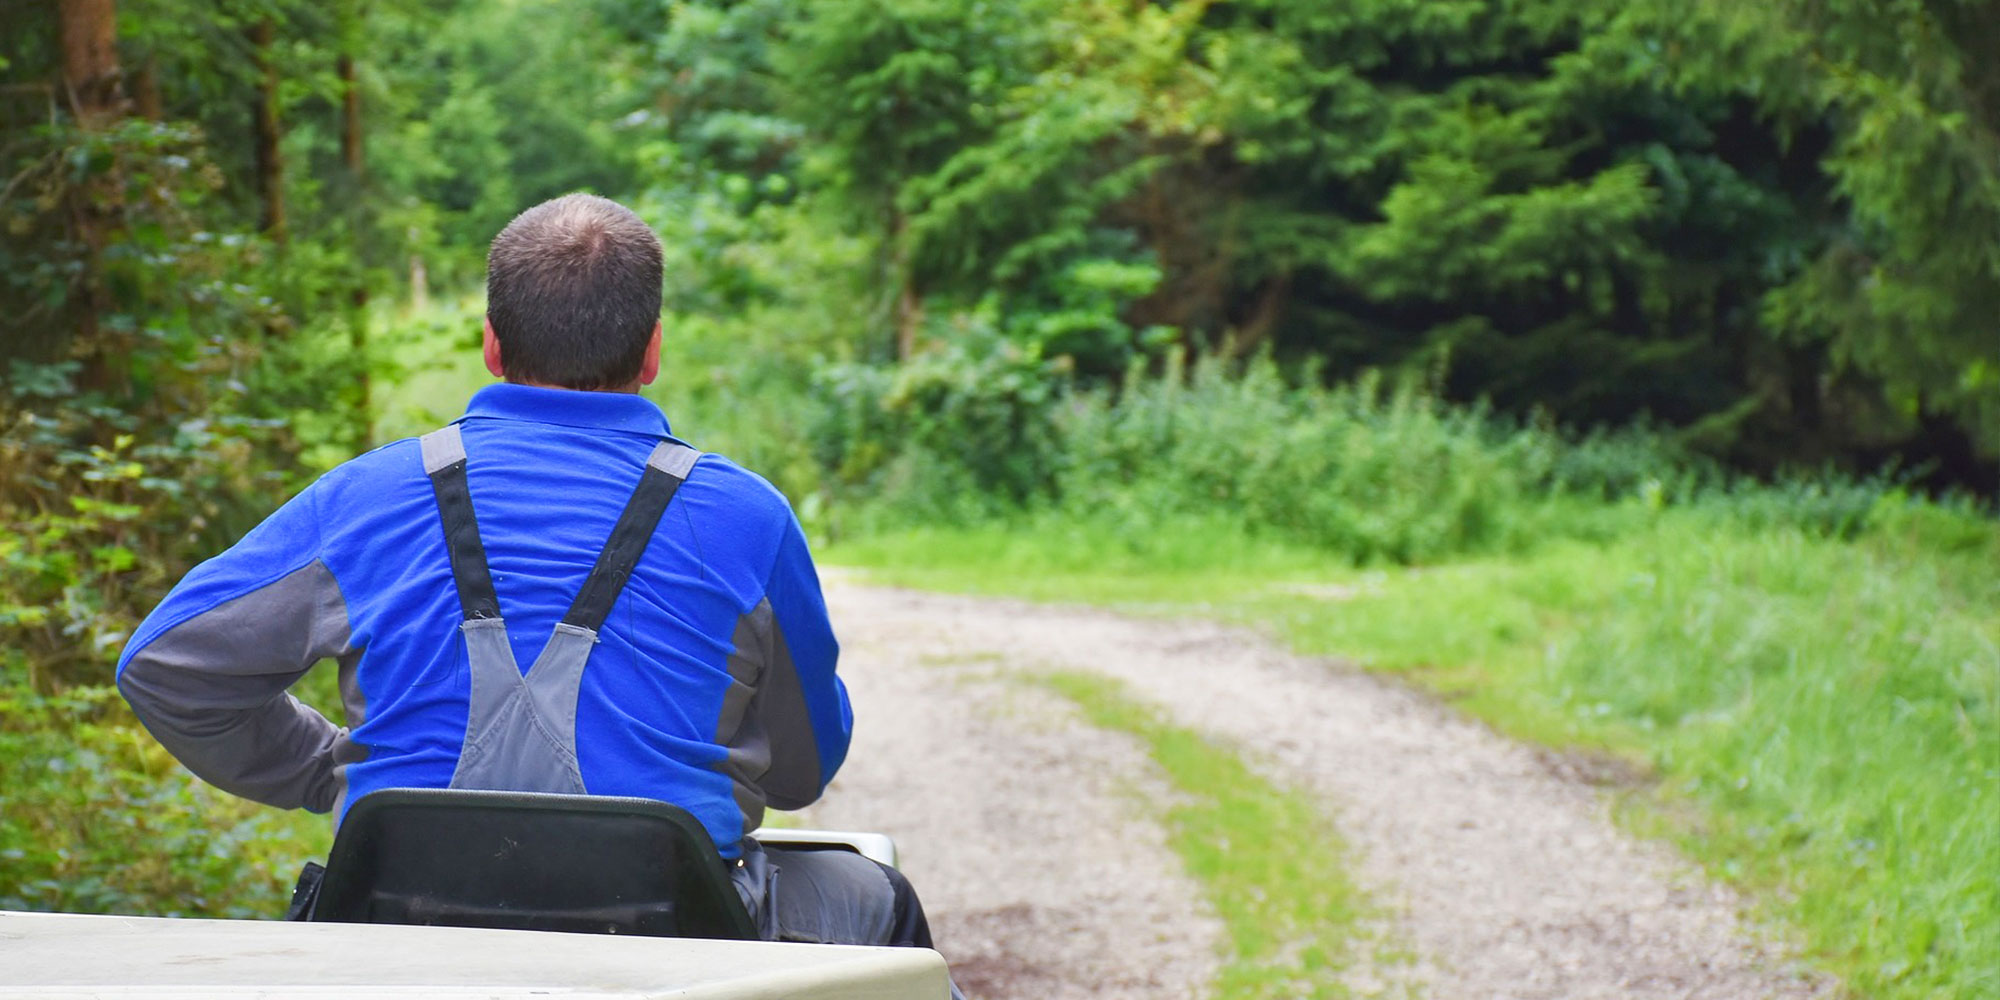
(1030, 835)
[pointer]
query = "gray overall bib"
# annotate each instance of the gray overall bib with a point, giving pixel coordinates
(520, 733)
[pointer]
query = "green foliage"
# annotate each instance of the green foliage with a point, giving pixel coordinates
(82, 559)
(154, 352)
(897, 88)
(100, 820)
(477, 111)
(1361, 470)
(130, 447)
(128, 452)
(1366, 471)
(1370, 471)
(760, 291)
(1598, 212)
(1741, 222)
(1906, 284)
(964, 430)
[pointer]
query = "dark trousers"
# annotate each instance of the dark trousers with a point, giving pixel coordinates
(830, 897)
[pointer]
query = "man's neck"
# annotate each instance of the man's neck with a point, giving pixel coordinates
(630, 388)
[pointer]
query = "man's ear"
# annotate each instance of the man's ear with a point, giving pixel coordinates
(490, 346)
(649, 368)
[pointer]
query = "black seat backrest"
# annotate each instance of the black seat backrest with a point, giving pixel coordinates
(529, 861)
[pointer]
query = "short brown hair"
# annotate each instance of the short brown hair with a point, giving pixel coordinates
(573, 292)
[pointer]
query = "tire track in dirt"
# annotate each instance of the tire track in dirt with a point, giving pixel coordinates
(1502, 874)
(1024, 830)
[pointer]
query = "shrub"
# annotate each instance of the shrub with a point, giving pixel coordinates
(100, 820)
(969, 428)
(1364, 470)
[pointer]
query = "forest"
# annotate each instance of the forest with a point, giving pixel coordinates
(1112, 300)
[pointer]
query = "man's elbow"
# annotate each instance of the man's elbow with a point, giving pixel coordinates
(275, 752)
(794, 783)
(144, 689)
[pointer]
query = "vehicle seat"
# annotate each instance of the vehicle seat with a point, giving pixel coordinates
(529, 861)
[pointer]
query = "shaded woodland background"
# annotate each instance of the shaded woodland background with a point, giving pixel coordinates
(1390, 282)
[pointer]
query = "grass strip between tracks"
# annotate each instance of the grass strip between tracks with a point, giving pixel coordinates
(1268, 860)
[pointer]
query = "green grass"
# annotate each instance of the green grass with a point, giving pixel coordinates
(1824, 715)
(1052, 557)
(1266, 858)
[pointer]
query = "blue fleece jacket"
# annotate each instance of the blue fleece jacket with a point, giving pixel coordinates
(712, 685)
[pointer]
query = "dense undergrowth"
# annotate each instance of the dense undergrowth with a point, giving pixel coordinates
(1367, 471)
(99, 819)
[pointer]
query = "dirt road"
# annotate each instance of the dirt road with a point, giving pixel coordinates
(1028, 834)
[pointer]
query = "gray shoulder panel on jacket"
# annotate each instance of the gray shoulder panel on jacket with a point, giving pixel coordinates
(212, 690)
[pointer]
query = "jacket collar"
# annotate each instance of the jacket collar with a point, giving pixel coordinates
(610, 411)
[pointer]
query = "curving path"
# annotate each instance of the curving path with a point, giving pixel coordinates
(1027, 833)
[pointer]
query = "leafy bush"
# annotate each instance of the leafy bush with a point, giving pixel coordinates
(140, 416)
(1369, 470)
(968, 428)
(1362, 470)
(100, 820)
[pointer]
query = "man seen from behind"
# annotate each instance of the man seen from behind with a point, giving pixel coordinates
(451, 578)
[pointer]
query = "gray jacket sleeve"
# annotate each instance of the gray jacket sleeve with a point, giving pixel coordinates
(208, 670)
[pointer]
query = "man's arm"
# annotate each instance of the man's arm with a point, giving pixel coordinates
(208, 669)
(801, 706)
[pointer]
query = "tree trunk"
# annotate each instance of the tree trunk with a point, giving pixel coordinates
(1263, 319)
(909, 320)
(350, 116)
(146, 91)
(89, 31)
(270, 164)
(420, 285)
(352, 154)
(90, 60)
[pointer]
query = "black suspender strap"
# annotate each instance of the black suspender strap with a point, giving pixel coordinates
(444, 462)
(665, 471)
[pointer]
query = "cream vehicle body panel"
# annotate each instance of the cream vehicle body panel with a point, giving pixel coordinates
(70, 956)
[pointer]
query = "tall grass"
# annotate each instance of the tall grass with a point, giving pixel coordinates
(1833, 706)
(1373, 471)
